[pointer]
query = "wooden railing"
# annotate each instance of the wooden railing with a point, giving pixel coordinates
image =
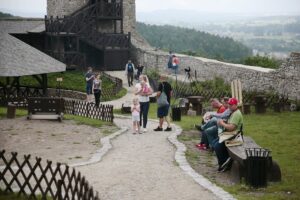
(33, 178)
(83, 23)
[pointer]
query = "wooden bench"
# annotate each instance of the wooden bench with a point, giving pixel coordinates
(239, 168)
(45, 108)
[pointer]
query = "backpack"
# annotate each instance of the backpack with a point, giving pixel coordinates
(129, 67)
(162, 99)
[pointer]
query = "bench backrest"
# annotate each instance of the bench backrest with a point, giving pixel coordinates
(236, 91)
(45, 105)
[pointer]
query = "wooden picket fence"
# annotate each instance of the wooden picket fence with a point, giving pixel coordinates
(33, 178)
(86, 109)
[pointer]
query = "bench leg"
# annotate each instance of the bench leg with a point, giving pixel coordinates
(274, 174)
(236, 172)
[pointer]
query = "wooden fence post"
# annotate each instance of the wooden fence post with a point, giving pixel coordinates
(73, 107)
(59, 192)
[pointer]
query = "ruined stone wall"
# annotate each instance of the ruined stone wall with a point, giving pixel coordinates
(63, 7)
(285, 80)
(129, 17)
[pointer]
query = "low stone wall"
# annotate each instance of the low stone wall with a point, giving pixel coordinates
(67, 94)
(284, 81)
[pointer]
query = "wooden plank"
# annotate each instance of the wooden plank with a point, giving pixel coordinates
(240, 96)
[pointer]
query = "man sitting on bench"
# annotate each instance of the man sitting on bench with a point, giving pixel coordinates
(234, 123)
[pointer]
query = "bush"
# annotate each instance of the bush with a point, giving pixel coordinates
(262, 61)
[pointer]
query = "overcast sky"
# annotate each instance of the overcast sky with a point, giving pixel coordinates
(37, 8)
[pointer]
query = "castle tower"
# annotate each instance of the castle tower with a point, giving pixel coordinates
(62, 8)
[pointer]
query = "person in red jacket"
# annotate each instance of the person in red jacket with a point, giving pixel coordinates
(175, 63)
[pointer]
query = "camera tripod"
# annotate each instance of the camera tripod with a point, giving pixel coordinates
(187, 79)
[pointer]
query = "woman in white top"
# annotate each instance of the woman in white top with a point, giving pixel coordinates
(97, 89)
(143, 99)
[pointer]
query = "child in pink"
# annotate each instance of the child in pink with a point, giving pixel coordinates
(145, 89)
(135, 113)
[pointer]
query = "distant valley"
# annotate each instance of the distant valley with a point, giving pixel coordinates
(274, 36)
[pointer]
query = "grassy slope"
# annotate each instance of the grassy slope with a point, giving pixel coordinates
(279, 132)
(73, 80)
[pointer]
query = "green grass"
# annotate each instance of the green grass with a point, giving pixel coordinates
(72, 80)
(19, 112)
(279, 132)
(15, 196)
(120, 94)
(87, 121)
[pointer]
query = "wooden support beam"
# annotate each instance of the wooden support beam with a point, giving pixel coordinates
(38, 79)
(44, 84)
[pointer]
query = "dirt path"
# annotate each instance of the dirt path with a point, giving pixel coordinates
(142, 167)
(64, 142)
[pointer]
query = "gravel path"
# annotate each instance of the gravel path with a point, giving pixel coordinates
(142, 167)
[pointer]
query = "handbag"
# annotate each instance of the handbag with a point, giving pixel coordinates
(232, 138)
(227, 136)
(238, 140)
(162, 99)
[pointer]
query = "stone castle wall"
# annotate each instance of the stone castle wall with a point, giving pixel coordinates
(63, 7)
(285, 80)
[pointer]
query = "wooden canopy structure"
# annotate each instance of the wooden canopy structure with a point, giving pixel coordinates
(18, 59)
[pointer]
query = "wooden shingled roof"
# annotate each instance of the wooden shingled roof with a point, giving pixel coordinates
(20, 59)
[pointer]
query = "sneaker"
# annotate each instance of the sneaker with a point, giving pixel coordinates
(203, 147)
(226, 165)
(226, 162)
(158, 129)
(168, 129)
(144, 130)
(199, 145)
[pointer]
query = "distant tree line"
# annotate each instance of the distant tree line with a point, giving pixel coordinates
(193, 42)
(6, 15)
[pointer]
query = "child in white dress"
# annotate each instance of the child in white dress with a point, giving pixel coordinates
(135, 112)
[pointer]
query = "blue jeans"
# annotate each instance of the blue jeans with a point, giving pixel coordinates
(221, 151)
(212, 122)
(144, 106)
(175, 68)
(209, 135)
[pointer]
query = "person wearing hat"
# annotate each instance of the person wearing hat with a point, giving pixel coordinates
(235, 122)
(212, 123)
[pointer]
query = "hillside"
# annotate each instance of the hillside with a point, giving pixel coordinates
(193, 42)
(6, 15)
